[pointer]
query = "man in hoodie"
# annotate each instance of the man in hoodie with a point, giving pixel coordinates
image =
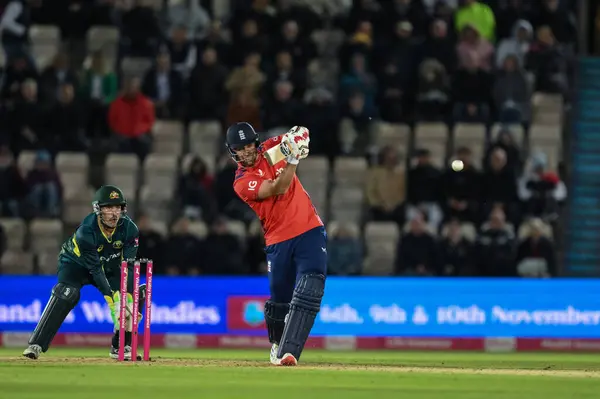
(517, 45)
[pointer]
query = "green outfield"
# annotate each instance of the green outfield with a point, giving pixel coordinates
(203, 374)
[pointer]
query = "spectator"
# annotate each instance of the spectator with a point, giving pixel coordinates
(224, 251)
(303, 14)
(44, 187)
(54, 76)
(228, 201)
(187, 14)
(559, 19)
(140, 30)
(506, 142)
(182, 51)
(207, 88)
(245, 106)
(473, 49)
(359, 79)
(285, 70)
(361, 114)
(99, 88)
(14, 29)
(508, 15)
(12, 185)
(284, 110)
(512, 95)
(547, 62)
(461, 188)
(402, 48)
(472, 88)
(302, 48)
(186, 252)
(19, 70)
(195, 191)
(261, 12)
(481, 16)
(499, 186)
(542, 191)
(411, 11)
(385, 189)
(74, 20)
(322, 119)
(361, 42)
(536, 256)
(418, 253)
(66, 123)
(28, 120)
(252, 41)
(423, 190)
(495, 251)
(247, 78)
(131, 118)
(433, 97)
(517, 45)
(392, 99)
(216, 40)
(456, 251)
(152, 243)
(344, 252)
(440, 46)
(366, 10)
(164, 86)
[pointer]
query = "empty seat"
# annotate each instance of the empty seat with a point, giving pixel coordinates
(467, 230)
(186, 162)
(135, 67)
(160, 227)
(73, 168)
(237, 228)
(77, 204)
(394, 134)
(106, 39)
(15, 230)
(517, 132)
(122, 170)
(335, 225)
(347, 203)
(198, 229)
(16, 262)
(160, 173)
(47, 262)
(26, 161)
(350, 170)
(542, 134)
(433, 137)
(167, 137)
(44, 34)
(205, 138)
(46, 235)
(471, 135)
(381, 239)
(314, 166)
(157, 203)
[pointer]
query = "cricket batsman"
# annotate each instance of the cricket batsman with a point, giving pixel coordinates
(92, 255)
(295, 238)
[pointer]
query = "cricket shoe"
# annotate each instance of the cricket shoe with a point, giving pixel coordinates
(274, 359)
(114, 353)
(33, 351)
(287, 360)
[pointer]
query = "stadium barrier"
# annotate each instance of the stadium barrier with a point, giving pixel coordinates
(357, 313)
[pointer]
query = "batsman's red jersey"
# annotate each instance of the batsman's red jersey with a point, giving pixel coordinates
(283, 216)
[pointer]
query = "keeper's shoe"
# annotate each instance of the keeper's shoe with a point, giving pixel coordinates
(33, 351)
(114, 353)
(287, 360)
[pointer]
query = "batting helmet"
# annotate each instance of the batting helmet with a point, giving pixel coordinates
(240, 135)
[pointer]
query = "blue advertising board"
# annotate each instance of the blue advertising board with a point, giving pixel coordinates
(351, 307)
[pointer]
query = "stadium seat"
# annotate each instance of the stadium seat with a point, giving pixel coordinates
(157, 203)
(334, 226)
(16, 262)
(350, 171)
(73, 168)
(317, 190)
(45, 235)
(547, 109)
(347, 203)
(237, 228)
(471, 135)
(46, 262)
(187, 161)
(15, 230)
(468, 231)
(135, 67)
(517, 131)
(167, 137)
(381, 240)
(45, 43)
(205, 138)
(26, 161)
(433, 137)
(198, 229)
(122, 170)
(105, 38)
(77, 204)
(160, 172)
(314, 167)
(160, 227)
(394, 134)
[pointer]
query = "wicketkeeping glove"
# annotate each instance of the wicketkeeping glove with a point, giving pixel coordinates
(114, 305)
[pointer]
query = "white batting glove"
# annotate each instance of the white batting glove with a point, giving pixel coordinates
(291, 151)
(299, 136)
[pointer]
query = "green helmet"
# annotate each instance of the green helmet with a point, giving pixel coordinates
(108, 195)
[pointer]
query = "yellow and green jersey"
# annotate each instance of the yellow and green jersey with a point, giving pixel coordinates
(91, 248)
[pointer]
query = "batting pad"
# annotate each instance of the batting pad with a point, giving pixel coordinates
(62, 301)
(304, 307)
(275, 319)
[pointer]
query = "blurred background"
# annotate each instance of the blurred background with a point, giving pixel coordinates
(138, 93)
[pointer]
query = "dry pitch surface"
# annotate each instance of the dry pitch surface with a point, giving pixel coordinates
(247, 374)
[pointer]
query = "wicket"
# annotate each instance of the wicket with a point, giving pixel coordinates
(135, 306)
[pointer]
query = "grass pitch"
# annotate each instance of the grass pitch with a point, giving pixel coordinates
(247, 374)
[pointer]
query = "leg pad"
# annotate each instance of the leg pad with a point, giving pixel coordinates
(275, 319)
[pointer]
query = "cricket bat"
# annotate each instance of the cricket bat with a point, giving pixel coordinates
(274, 154)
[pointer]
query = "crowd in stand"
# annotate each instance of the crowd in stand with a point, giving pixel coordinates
(400, 61)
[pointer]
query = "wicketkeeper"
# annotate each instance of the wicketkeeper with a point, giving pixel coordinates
(296, 241)
(92, 255)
